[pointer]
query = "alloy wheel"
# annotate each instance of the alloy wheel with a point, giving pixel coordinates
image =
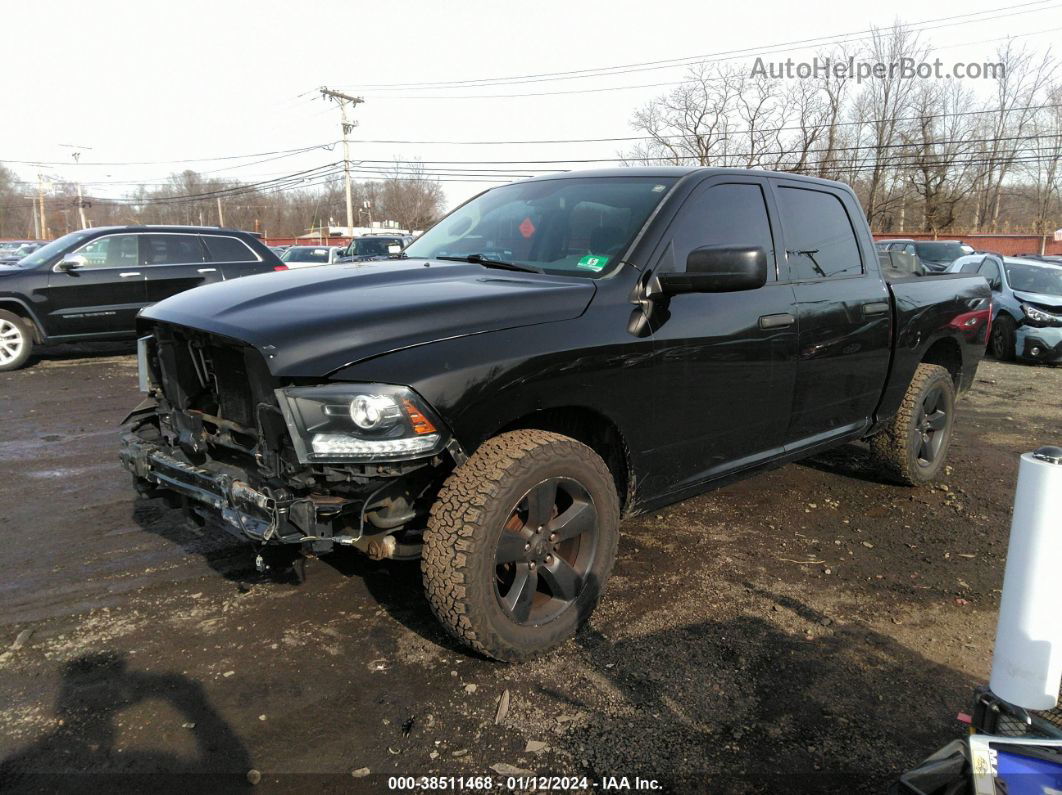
(931, 425)
(12, 340)
(545, 551)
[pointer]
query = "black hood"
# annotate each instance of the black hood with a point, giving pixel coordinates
(310, 322)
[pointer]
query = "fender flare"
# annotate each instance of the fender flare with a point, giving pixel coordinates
(28, 312)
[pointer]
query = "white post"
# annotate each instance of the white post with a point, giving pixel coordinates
(1027, 661)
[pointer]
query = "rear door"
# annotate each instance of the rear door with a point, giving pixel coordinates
(104, 295)
(175, 262)
(232, 256)
(844, 314)
(726, 359)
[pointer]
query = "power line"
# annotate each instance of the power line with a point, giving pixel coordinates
(1003, 11)
(328, 145)
(861, 122)
(629, 86)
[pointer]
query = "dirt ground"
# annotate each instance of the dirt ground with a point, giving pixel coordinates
(811, 629)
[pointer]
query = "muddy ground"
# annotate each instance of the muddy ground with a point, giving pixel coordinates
(811, 629)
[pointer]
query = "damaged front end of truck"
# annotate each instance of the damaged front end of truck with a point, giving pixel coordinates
(284, 465)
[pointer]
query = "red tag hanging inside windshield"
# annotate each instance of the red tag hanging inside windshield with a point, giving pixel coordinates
(527, 228)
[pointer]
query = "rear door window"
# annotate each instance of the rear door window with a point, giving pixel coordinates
(990, 270)
(820, 240)
(173, 250)
(224, 248)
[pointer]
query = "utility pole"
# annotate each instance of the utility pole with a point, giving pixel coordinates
(221, 216)
(344, 100)
(40, 198)
(76, 154)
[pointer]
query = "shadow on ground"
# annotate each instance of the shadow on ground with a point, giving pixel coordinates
(83, 752)
(744, 706)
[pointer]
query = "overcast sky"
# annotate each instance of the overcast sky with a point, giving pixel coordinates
(154, 81)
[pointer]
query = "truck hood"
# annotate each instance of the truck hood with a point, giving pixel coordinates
(313, 321)
(1039, 298)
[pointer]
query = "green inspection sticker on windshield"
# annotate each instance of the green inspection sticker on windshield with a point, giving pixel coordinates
(592, 262)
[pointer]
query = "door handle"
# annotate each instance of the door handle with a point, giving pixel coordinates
(875, 308)
(127, 274)
(781, 320)
(208, 270)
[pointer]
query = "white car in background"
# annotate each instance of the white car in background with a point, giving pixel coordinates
(310, 256)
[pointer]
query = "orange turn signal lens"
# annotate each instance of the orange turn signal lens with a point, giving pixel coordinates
(420, 423)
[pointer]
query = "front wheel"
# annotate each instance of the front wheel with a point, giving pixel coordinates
(16, 341)
(1002, 342)
(913, 446)
(520, 542)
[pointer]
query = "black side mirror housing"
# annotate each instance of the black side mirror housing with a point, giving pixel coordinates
(717, 269)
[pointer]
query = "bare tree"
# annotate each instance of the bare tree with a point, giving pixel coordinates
(1019, 90)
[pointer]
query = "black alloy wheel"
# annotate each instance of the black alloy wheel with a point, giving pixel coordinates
(546, 551)
(932, 424)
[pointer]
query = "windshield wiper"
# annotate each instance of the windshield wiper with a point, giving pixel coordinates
(487, 262)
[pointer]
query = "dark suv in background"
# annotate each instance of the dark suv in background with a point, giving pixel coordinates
(89, 285)
(934, 255)
(373, 247)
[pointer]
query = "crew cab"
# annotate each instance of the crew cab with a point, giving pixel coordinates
(551, 356)
(89, 285)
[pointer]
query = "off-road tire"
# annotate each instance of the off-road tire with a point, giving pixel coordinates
(466, 522)
(10, 323)
(896, 448)
(1002, 342)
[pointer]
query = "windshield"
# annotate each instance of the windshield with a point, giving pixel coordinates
(939, 252)
(576, 226)
(305, 254)
(46, 253)
(371, 246)
(1045, 279)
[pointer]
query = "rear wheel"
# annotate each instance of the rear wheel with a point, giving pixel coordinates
(1002, 341)
(16, 341)
(913, 446)
(520, 542)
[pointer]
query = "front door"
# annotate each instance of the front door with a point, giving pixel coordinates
(725, 359)
(844, 316)
(103, 296)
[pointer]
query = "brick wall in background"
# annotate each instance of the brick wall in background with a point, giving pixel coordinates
(1009, 245)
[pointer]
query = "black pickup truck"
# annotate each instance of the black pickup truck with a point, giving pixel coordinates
(551, 356)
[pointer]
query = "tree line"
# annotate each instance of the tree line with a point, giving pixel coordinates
(283, 207)
(925, 155)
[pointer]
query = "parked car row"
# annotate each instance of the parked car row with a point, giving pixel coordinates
(12, 251)
(930, 256)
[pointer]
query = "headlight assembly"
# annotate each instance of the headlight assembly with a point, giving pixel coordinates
(336, 423)
(1039, 317)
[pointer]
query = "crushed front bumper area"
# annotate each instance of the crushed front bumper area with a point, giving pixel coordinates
(259, 514)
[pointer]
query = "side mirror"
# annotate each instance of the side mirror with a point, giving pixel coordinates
(394, 248)
(718, 269)
(71, 262)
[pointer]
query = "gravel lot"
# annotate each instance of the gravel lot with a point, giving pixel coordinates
(812, 628)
